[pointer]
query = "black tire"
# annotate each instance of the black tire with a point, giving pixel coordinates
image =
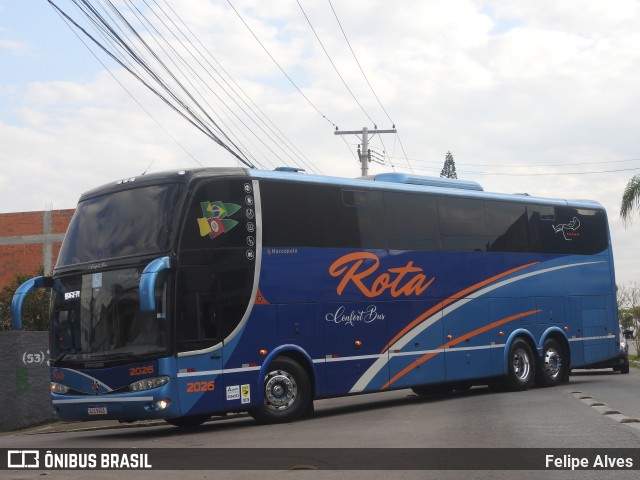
(521, 366)
(624, 368)
(188, 422)
(287, 393)
(552, 366)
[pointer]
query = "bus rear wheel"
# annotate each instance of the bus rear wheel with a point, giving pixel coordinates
(553, 364)
(287, 393)
(521, 366)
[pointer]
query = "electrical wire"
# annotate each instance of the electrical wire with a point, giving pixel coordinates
(279, 67)
(232, 90)
(128, 91)
(333, 64)
(369, 84)
(161, 87)
(139, 45)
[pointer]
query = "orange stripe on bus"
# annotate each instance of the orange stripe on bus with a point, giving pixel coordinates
(458, 340)
(452, 299)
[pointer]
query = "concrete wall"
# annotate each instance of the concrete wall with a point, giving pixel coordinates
(24, 380)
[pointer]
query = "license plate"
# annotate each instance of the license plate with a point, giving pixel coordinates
(101, 410)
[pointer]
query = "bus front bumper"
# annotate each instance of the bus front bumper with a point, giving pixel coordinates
(145, 405)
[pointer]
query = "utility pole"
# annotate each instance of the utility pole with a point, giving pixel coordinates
(365, 154)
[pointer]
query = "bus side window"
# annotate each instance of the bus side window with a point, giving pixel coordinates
(508, 227)
(412, 221)
(463, 224)
(196, 316)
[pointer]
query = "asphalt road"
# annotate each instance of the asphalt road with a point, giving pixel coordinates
(597, 409)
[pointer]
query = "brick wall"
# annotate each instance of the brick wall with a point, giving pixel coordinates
(30, 240)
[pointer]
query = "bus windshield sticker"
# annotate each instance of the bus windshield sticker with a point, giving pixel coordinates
(96, 280)
(214, 221)
(568, 229)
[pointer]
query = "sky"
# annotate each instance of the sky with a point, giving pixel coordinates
(538, 97)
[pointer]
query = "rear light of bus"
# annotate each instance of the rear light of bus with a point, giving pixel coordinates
(148, 383)
(59, 388)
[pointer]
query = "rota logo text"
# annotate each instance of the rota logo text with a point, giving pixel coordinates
(399, 281)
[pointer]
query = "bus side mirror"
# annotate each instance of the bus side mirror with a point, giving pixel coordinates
(21, 293)
(148, 283)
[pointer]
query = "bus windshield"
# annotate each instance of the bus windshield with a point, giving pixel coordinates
(97, 317)
(125, 223)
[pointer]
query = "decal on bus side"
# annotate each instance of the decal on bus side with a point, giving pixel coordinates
(144, 370)
(408, 280)
(196, 387)
(214, 221)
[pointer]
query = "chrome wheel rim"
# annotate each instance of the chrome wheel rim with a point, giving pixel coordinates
(281, 390)
(552, 363)
(521, 364)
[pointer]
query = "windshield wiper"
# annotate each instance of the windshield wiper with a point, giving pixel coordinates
(61, 357)
(119, 355)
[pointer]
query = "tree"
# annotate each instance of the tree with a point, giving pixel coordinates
(628, 297)
(630, 199)
(449, 168)
(35, 309)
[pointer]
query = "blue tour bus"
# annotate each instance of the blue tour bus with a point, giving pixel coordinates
(182, 295)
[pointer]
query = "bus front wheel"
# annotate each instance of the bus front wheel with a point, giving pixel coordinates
(521, 365)
(287, 393)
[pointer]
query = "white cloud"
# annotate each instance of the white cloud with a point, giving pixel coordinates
(14, 47)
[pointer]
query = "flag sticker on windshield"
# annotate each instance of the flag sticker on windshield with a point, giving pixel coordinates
(214, 221)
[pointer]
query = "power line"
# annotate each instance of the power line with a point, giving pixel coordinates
(125, 49)
(531, 174)
(370, 87)
(128, 91)
(554, 174)
(272, 136)
(439, 162)
(278, 65)
(333, 64)
(242, 96)
(358, 63)
(158, 35)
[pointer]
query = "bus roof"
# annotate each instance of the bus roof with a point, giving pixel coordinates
(386, 181)
(417, 183)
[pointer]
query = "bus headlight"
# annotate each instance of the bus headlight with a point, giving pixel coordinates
(148, 383)
(59, 388)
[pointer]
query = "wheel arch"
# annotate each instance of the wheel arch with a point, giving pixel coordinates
(556, 333)
(516, 334)
(559, 336)
(294, 352)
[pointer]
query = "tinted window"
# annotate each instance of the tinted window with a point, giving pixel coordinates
(568, 230)
(461, 216)
(507, 226)
(211, 302)
(130, 222)
(463, 226)
(221, 214)
(300, 214)
(217, 262)
(412, 221)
